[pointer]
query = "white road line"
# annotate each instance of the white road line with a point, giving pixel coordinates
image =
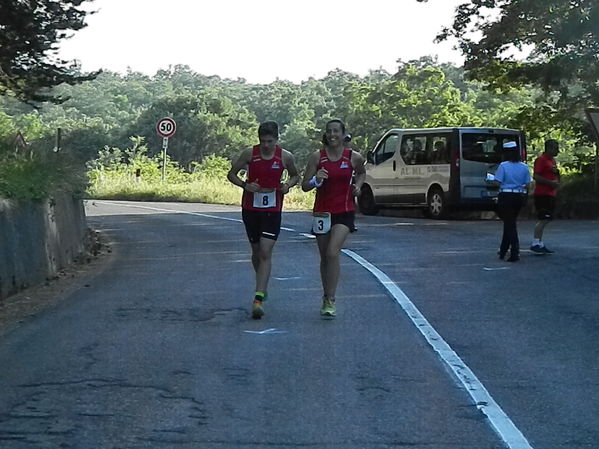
(159, 209)
(385, 225)
(500, 422)
(272, 330)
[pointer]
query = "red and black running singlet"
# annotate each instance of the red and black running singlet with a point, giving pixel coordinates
(267, 173)
(335, 195)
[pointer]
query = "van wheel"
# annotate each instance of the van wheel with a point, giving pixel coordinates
(435, 204)
(366, 202)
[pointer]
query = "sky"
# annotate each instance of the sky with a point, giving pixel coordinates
(261, 40)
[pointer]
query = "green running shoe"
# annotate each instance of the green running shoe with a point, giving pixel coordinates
(327, 311)
(257, 309)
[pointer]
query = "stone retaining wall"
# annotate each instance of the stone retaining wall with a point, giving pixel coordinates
(38, 239)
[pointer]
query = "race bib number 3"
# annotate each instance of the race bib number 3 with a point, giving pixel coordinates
(265, 199)
(321, 222)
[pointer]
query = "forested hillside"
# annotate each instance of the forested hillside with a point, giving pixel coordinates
(219, 116)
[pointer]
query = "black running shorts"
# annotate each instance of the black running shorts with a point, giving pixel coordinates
(545, 206)
(261, 224)
(346, 218)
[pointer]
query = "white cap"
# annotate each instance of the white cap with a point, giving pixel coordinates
(510, 144)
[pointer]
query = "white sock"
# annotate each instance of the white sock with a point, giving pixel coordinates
(537, 242)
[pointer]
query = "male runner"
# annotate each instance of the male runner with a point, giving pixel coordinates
(262, 201)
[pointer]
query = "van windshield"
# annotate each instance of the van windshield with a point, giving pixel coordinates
(482, 147)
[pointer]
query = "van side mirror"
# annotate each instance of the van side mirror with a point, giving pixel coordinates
(370, 157)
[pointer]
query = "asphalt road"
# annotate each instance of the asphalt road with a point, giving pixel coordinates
(439, 346)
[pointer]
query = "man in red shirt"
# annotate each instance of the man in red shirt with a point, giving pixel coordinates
(546, 176)
(262, 201)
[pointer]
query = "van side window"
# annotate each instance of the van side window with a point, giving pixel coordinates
(413, 150)
(482, 147)
(439, 151)
(387, 149)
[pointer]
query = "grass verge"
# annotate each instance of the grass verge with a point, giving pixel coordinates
(38, 176)
(214, 191)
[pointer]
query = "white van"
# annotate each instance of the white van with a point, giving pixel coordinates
(437, 169)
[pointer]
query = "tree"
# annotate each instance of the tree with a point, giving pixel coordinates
(29, 34)
(413, 97)
(298, 137)
(552, 44)
(207, 123)
(7, 130)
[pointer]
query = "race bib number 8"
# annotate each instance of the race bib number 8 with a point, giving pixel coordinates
(321, 222)
(265, 199)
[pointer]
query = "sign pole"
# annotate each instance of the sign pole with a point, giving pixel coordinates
(56, 149)
(596, 165)
(165, 128)
(164, 149)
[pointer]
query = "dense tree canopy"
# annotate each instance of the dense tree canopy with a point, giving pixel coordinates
(552, 44)
(30, 31)
(220, 117)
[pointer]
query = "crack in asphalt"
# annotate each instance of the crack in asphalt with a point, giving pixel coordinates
(115, 405)
(193, 314)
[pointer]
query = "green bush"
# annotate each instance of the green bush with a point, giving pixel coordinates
(578, 196)
(212, 167)
(37, 175)
(113, 176)
(115, 164)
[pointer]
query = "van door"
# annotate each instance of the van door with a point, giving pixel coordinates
(437, 162)
(481, 152)
(412, 174)
(381, 172)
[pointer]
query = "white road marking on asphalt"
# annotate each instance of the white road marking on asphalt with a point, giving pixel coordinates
(310, 236)
(160, 209)
(287, 279)
(385, 225)
(272, 330)
(495, 269)
(500, 422)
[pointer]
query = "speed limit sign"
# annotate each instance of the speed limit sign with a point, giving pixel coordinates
(166, 127)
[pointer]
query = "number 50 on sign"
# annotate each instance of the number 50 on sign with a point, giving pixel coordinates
(166, 127)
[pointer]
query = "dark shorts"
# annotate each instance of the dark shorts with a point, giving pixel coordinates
(346, 218)
(545, 206)
(261, 224)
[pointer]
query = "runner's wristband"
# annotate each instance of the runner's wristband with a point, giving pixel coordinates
(315, 183)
